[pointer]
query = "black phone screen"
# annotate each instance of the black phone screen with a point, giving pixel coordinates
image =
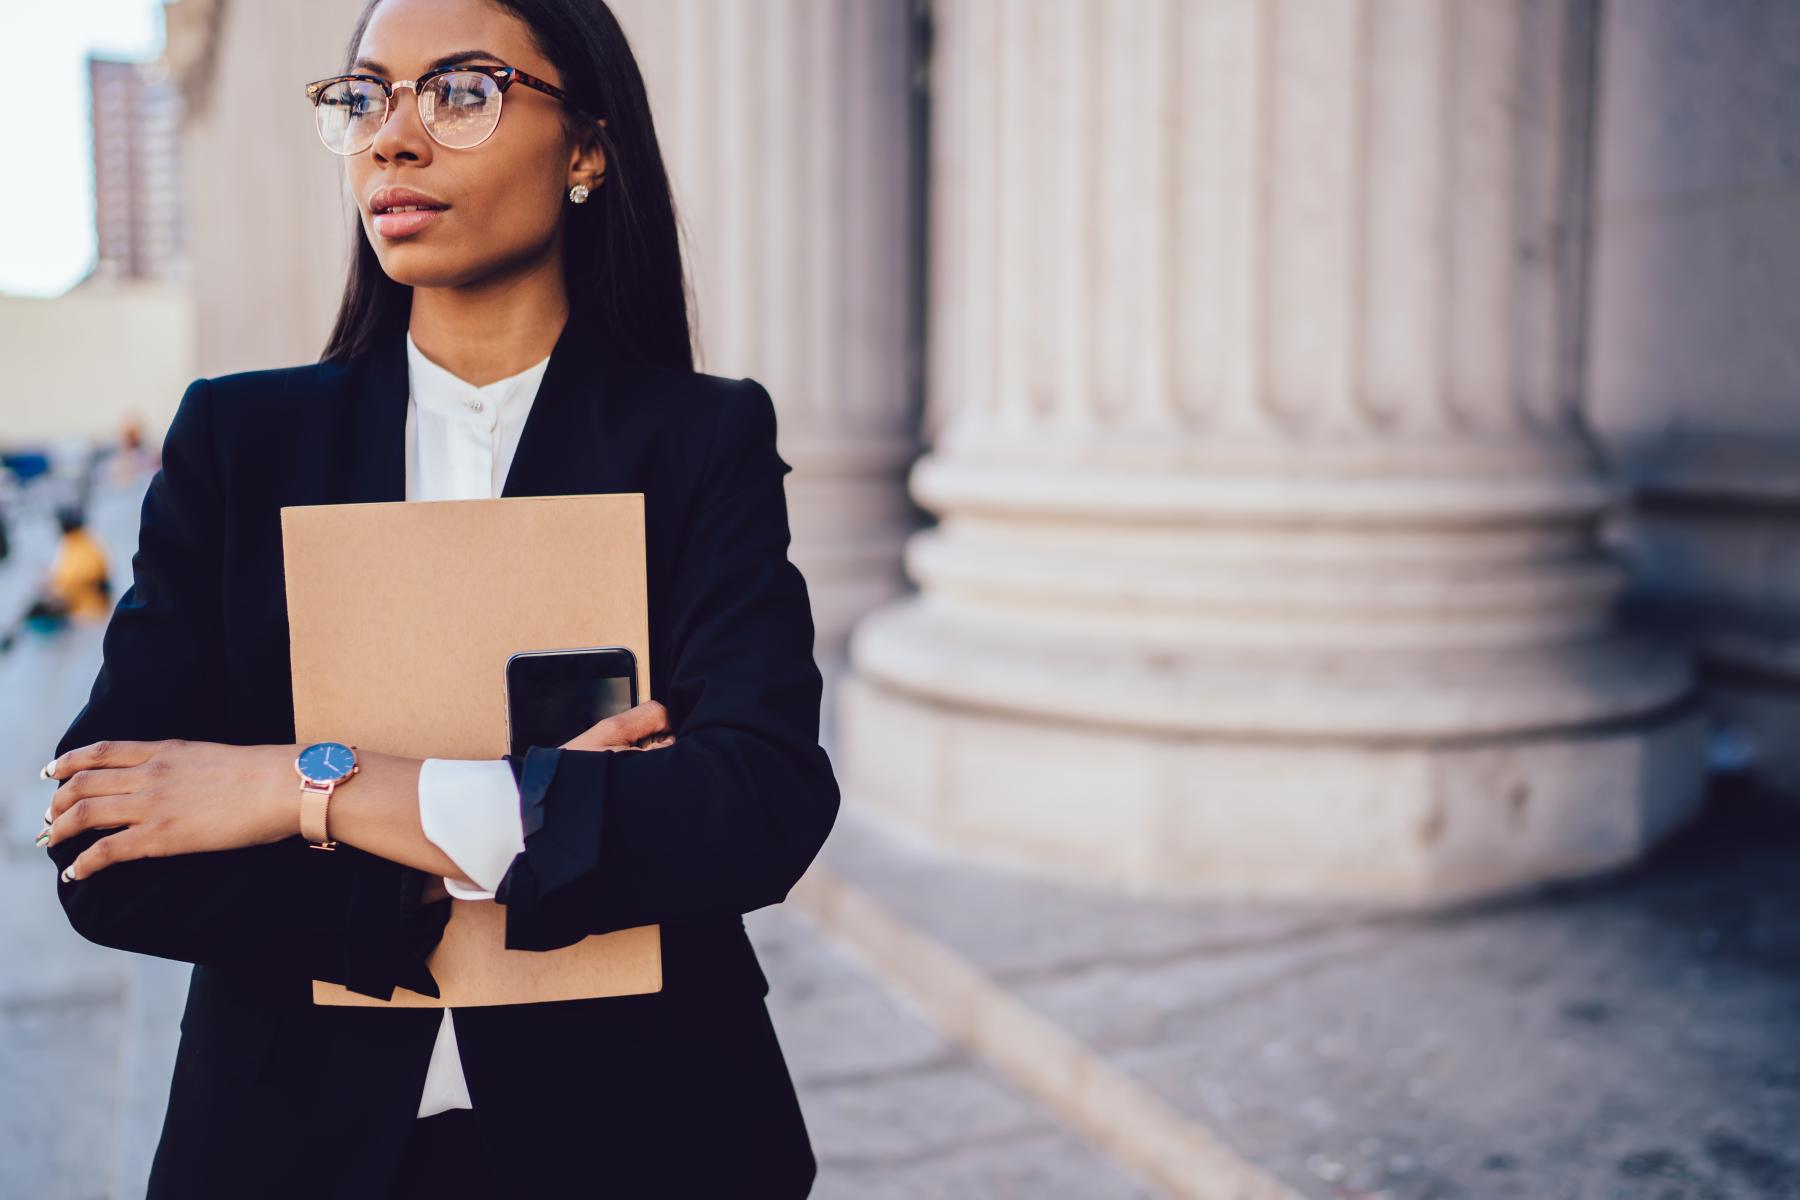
(551, 696)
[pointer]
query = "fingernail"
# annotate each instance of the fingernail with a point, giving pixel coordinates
(42, 837)
(68, 874)
(48, 770)
(47, 817)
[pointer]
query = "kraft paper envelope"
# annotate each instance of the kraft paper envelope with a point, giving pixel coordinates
(401, 616)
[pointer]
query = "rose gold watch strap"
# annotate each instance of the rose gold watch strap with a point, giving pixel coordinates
(313, 804)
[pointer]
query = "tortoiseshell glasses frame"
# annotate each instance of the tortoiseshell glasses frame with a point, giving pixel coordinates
(456, 124)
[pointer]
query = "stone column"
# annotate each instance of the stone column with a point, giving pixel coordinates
(270, 220)
(1266, 557)
(1693, 378)
(789, 128)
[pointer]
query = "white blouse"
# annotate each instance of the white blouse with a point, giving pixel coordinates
(460, 441)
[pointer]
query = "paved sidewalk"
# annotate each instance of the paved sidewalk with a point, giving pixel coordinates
(1633, 1037)
(894, 1108)
(87, 1036)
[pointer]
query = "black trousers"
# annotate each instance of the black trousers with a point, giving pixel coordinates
(446, 1156)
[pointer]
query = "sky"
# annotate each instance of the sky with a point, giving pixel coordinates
(47, 203)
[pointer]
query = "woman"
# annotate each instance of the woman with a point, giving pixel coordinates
(550, 260)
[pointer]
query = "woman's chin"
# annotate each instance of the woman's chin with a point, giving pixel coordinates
(419, 267)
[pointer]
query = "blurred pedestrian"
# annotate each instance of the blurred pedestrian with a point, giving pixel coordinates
(131, 457)
(79, 580)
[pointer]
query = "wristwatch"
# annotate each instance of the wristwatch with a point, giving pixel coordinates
(322, 766)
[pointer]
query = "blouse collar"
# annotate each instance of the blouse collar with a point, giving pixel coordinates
(443, 392)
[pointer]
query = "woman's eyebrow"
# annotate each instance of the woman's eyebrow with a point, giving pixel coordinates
(444, 60)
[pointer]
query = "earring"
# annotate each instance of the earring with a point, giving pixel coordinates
(578, 194)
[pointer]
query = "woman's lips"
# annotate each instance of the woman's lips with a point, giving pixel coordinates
(405, 224)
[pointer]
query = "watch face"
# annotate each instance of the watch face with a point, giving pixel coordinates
(326, 762)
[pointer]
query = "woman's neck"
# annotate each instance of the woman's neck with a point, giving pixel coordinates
(483, 340)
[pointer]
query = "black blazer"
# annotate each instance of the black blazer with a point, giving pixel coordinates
(679, 1093)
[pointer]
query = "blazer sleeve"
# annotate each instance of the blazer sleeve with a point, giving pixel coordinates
(727, 818)
(344, 915)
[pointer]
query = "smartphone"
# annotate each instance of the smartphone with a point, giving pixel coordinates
(553, 695)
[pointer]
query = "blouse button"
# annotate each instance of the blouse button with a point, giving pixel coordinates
(474, 405)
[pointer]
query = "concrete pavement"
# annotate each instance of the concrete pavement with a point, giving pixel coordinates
(1630, 1038)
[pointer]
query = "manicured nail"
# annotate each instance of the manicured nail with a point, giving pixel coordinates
(42, 837)
(48, 770)
(68, 875)
(47, 817)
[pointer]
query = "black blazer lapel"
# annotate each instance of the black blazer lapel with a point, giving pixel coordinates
(589, 431)
(590, 427)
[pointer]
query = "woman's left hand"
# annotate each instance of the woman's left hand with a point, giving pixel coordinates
(642, 727)
(171, 797)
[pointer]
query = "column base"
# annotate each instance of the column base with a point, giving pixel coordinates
(1295, 808)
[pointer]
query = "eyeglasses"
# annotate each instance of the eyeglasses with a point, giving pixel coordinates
(458, 105)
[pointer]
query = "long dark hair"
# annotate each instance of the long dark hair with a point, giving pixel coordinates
(621, 250)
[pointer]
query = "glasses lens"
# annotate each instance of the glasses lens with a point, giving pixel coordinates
(460, 108)
(349, 112)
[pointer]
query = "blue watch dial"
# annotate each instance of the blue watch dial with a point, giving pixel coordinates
(326, 762)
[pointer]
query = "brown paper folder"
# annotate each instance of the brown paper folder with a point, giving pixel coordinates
(401, 616)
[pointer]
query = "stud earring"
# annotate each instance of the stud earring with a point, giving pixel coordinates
(578, 194)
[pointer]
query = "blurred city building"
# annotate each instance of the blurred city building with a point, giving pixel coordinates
(136, 112)
(137, 290)
(1358, 439)
(59, 388)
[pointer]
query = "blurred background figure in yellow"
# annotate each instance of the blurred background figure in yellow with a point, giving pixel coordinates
(79, 586)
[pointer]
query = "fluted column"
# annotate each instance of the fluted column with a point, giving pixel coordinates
(788, 128)
(1265, 559)
(1692, 375)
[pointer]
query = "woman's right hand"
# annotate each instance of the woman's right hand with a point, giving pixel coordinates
(645, 727)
